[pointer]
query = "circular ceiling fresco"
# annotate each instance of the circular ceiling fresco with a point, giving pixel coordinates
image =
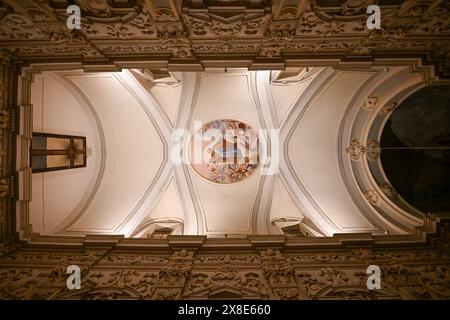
(225, 151)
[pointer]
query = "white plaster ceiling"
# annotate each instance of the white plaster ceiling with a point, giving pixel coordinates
(132, 155)
(56, 195)
(131, 181)
(227, 208)
(312, 152)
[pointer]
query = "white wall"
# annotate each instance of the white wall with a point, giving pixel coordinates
(313, 152)
(96, 199)
(227, 208)
(133, 186)
(134, 153)
(56, 195)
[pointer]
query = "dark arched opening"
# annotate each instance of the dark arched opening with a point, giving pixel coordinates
(415, 149)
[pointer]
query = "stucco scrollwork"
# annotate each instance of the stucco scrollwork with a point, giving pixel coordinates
(389, 190)
(355, 150)
(372, 197)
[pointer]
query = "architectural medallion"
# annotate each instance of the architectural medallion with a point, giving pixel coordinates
(225, 151)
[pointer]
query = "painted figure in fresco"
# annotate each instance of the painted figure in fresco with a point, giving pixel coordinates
(233, 154)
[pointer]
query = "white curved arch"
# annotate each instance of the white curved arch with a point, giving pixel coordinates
(306, 203)
(63, 212)
(390, 83)
(136, 155)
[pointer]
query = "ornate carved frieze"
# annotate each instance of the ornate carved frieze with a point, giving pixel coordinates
(8, 91)
(195, 31)
(172, 277)
(418, 270)
(279, 273)
(355, 150)
(370, 103)
(227, 280)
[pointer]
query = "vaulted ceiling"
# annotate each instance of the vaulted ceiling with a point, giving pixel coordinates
(136, 70)
(130, 120)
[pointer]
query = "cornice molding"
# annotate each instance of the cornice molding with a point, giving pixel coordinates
(433, 230)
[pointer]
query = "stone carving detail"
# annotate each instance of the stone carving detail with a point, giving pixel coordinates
(227, 281)
(29, 283)
(372, 197)
(370, 103)
(435, 279)
(51, 257)
(118, 284)
(129, 273)
(4, 118)
(279, 274)
(315, 282)
(443, 241)
(172, 277)
(373, 150)
(2, 94)
(251, 259)
(8, 91)
(354, 7)
(387, 109)
(388, 190)
(96, 8)
(338, 283)
(355, 150)
(135, 259)
(4, 187)
(194, 31)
